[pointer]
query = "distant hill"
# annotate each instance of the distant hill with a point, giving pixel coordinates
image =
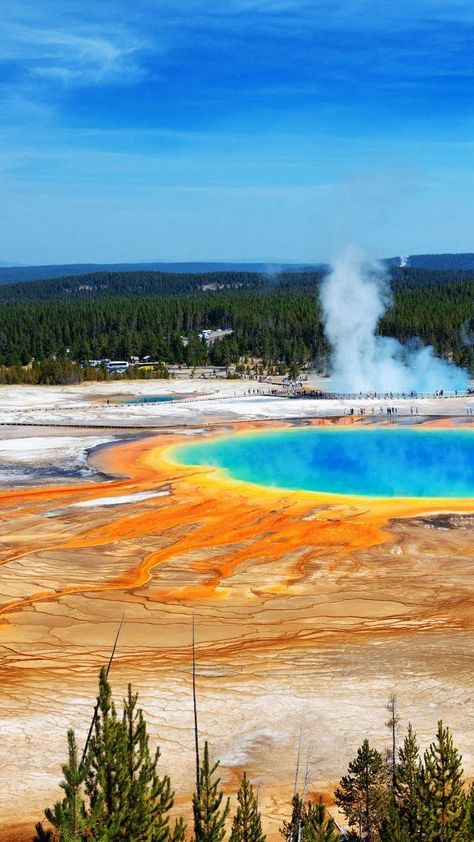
(18, 274)
(13, 274)
(120, 284)
(464, 261)
(142, 284)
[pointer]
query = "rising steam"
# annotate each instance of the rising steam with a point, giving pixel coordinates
(354, 296)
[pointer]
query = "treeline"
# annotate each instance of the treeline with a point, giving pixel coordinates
(62, 371)
(129, 284)
(115, 791)
(436, 308)
(278, 321)
(119, 284)
(275, 324)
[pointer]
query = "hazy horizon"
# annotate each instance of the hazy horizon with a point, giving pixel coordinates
(269, 261)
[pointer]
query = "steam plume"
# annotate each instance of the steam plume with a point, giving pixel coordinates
(354, 296)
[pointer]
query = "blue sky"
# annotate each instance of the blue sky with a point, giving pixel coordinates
(239, 129)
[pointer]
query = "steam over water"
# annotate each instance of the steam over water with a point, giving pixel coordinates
(354, 297)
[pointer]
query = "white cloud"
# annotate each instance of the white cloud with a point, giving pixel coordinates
(72, 50)
(84, 58)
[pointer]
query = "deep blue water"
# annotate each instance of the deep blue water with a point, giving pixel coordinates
(371, 462)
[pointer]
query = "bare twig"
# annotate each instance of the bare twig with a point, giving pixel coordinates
(196, 732)
(96, 709)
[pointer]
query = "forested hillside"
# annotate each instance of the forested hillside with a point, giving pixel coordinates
(13, 274)
(17, 274)
(132, 284)
(116, 315)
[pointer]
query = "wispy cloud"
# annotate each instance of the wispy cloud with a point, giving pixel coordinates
(271, 101)
(77, 58)
(74, 57)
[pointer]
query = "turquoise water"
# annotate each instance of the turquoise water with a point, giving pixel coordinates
(154, 399)
(370, 462)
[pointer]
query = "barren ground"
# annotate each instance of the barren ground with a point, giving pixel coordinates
(307, 609)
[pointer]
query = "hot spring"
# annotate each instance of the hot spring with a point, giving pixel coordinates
(370, 462)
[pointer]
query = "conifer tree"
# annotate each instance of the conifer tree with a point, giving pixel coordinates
(362, 794)
(309, 823)
(392, 725)
(394, 828)
(108, 776)
(407, 795)
(42, 834)
(209, 817)
(128, 798)
(470, 812)
(149, 797)
(292, 830)
(68, 816)
(443, 808)
(318, 825)
(247, 824)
